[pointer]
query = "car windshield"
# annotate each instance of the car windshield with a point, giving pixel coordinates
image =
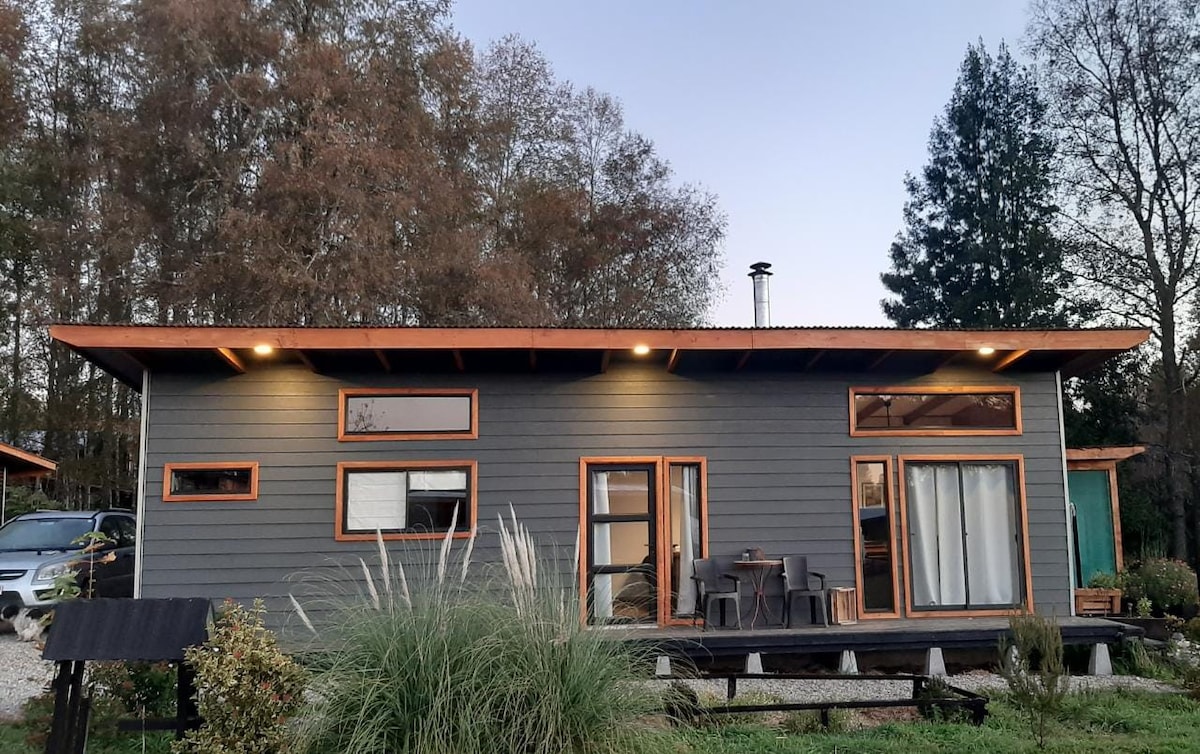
(43, 533)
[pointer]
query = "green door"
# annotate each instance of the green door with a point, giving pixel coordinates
(1091, 500)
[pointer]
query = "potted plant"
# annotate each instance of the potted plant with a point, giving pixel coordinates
(1101, 597)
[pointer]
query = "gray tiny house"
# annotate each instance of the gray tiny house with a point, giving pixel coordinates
(924, 469)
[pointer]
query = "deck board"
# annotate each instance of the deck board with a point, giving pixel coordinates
(864, 636)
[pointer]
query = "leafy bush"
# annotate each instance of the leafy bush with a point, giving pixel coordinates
(1166, 582)
(1191, 630)
(1032, 667)
(246, 687)
(118, 690)
(1102, 580)
(454, 665)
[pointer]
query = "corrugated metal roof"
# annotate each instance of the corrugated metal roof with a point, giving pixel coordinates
(648, 328)
(151, 630)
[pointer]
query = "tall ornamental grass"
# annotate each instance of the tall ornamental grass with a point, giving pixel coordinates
(454, 663)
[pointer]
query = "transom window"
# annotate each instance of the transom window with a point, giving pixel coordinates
(213, 482)
(405, 500)
(408, 414)
(935, 411)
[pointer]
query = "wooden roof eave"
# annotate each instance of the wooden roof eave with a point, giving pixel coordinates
(1105, 453)
(369, 338)
(112, 347)
(23, 462)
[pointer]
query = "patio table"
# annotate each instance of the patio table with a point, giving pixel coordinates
(758, 570)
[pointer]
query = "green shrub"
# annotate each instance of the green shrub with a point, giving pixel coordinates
(1032, 667)
(453, 665)
(118, 691)
(1166, 582)
(1191, 630)
(1102, 580)
(809, 722)
(246, 687)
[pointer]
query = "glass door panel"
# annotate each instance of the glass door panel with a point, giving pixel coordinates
(687, 537)
(622, 551)
(873, 506)
(964, 535)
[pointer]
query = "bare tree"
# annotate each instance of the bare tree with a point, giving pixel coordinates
(1122, 78)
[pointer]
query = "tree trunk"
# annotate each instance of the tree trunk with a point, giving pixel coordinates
(1174, 446)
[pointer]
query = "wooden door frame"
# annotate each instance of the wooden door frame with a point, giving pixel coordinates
(662, 492)
(890, 504)
(1109, 466)
(1026, 580)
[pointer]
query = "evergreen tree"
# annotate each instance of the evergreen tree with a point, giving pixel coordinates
(977, 249)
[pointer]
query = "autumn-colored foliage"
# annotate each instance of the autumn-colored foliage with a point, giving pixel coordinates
(314, 162)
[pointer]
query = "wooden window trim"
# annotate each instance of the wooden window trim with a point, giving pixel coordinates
(345, 394)
(339, 518)
(1109, 466)
(890, 503)
(1018, 460)
(1013, 390)
(251, 466)
(661, 464)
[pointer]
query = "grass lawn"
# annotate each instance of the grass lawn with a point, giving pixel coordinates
(1112, 722)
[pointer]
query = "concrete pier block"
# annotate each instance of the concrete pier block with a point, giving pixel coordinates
(935, 663)
(754, 663)
(848, 663)
(1100, 663)
(662, 666)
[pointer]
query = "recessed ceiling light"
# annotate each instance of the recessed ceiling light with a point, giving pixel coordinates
(641, 350)
(986, 351)
(263, 349)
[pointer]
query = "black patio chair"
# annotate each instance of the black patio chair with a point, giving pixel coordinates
(797, 582)
(708, 582)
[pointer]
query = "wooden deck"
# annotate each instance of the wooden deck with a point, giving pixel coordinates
(864, 636)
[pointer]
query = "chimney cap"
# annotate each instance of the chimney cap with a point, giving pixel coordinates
(760, 268)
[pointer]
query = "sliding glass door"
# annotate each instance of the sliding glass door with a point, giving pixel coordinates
(644, 522)
(964, 534)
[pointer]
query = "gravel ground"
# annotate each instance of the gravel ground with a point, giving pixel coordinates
(23, 674)
(839, 690)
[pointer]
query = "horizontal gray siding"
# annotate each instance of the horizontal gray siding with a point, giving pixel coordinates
(778, 451)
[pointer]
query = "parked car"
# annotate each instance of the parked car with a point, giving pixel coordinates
(36, 548)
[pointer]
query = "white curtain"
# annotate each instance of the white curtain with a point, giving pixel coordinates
(450, 480)
(689, 538)
(376, 500)
(602, 587)
(991, 523)
(935, 534)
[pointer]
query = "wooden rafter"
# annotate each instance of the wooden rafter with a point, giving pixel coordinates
(928, 407)
(946, 360)
(673, 360)
(459, 363)
(882, 358)
(383, 359)
(232, 359)
(872, 406)
(812, 361)
(605, 357)
(743, 359)
(532, 359)
(1011, 358)
(306, 360)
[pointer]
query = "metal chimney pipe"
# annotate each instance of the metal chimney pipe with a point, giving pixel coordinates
(761, 275)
